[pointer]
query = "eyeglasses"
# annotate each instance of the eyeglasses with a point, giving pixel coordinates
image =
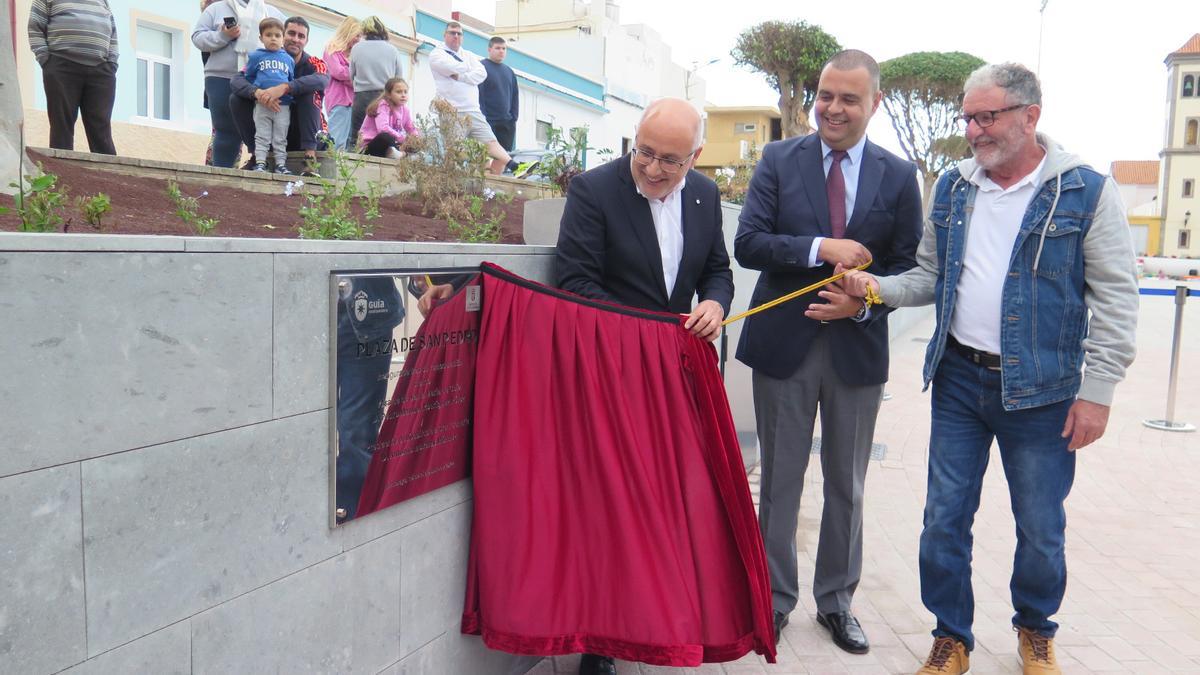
(454, 32)
(986, 118)
(668, 166)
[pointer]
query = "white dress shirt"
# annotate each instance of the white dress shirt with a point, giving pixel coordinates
(463, 92)
(991, 234)
(667, 214)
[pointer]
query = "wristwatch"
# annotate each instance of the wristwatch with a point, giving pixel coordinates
(862, 312)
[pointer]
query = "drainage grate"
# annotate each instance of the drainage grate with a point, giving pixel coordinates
(878, 450)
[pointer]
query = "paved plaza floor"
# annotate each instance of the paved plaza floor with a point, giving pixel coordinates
(1133, 536)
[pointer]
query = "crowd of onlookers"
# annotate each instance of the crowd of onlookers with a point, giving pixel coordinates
(266, 93)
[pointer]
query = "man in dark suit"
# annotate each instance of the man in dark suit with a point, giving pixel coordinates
(829, 198)
(644, 230)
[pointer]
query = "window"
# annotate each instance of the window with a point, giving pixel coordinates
(155, 72)
(745, 128)
(1189, 136)
(1185, 238)
(1189, 85)
(743, 149)
(543, 132)
(1189, 187)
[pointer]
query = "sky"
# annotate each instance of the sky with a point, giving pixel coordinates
(1103, 77)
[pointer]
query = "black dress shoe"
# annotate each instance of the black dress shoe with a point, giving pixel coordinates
(781, 620)
(846, 631)
(594, 664)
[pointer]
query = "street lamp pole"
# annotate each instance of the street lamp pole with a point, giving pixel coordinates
(689, 74)
(1041, 27)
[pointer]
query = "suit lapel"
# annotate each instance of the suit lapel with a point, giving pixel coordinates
(869, 176)
(642, 224)
(812, 176)
(692, 209)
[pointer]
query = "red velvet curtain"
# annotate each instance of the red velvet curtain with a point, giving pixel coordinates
(424, 441)
(612, 513)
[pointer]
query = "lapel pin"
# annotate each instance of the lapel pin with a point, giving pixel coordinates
(697, 201)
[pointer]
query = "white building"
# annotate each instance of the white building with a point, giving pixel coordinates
(1180, 172)
(632, 61)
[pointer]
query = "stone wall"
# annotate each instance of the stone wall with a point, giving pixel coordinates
(164, 468)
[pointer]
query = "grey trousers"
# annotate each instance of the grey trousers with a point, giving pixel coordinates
(786, 412)
(270, 133)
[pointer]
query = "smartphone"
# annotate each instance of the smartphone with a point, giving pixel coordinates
(230, 21)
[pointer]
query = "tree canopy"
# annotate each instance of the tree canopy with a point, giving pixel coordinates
(922, 94)
(790, 54)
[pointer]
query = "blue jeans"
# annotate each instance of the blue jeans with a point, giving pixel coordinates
(967, 414)
(339, 125)
(227, 143)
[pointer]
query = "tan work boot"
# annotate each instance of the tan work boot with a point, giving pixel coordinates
(1037, 652)
(947, 657)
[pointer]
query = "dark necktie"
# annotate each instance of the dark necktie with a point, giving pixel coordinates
(835, 191)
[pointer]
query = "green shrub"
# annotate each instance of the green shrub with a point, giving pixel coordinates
(329, 212)
(94, 208)
(39, 202)
(186, 208)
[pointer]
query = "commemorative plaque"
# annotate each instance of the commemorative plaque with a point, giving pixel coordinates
(401, 384)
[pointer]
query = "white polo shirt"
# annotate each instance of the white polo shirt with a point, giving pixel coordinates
(995, 223)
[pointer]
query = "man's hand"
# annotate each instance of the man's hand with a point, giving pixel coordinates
(705, 321)
(231, 33)
(847, 252)
(838, 305)
(436, 292)
(856, 283)
(1085, 423)
(275, 93)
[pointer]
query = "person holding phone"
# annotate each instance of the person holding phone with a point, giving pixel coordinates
(228, 31)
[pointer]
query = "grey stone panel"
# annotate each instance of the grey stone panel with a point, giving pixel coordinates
(57, 241)
(118, 351)
(453, 652)
(468, 654)
(341, 616)
(41, 572)
(164, 652)
(181, 527)
(433, 574)
(372, 526)
(541, 220)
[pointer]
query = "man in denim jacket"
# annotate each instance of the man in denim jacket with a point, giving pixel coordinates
(1028, 258)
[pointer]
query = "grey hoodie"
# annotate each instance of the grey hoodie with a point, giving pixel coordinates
(207, 36)
(1110, 279)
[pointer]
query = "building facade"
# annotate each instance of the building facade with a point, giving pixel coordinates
(1179, 178)
(732, 135)
(159, 112)
(1137, 183)
(632, 61)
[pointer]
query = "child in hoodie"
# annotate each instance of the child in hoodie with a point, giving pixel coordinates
(389, 122)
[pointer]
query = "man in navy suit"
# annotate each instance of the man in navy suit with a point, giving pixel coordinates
(644, 230)
(829, 198)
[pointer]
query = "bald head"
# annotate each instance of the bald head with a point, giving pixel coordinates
(674, 116)
(666, 146)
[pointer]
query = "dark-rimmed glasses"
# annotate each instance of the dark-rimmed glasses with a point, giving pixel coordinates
(668, 166)
(986, 118)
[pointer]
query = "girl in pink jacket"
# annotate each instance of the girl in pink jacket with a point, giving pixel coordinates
(389, 122)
